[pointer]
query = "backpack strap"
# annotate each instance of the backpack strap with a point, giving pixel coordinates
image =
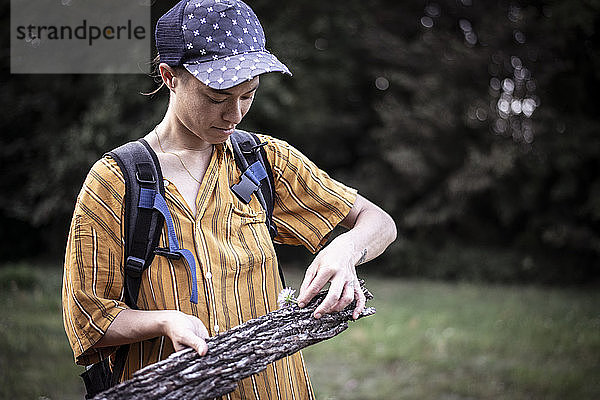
(141, 171)
(251, 157)
(146, 213)
(140, 168)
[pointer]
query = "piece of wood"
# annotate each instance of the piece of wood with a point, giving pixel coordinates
(235, 354)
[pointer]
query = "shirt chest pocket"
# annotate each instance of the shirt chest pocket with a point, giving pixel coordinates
(248, 237)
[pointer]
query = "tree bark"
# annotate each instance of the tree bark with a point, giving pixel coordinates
(235, 354)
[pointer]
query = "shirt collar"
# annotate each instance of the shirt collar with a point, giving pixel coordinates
(228, 145)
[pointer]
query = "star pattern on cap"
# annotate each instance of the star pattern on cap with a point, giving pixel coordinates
(225, 13)
(225, 43)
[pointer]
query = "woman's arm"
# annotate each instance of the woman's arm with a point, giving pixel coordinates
(371, 230)
(132, 326)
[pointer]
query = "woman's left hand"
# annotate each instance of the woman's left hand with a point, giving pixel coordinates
(369, 228)
(334, 264)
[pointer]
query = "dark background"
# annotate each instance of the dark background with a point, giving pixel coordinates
(474, 124)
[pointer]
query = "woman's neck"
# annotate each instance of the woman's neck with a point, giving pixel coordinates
(174, 136)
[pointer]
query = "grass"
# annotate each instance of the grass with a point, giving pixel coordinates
(427, 341)
(463, 341)
(36, 361)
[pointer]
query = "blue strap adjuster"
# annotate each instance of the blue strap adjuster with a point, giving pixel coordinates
(250, 182)
(149, 198)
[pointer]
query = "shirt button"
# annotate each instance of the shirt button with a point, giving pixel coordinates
(165, 182)
(208, 275)
(216, 328)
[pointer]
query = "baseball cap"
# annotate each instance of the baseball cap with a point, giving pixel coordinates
(220, 42)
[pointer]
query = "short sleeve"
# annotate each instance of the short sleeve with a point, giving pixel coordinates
(93, 276)
(308, 203)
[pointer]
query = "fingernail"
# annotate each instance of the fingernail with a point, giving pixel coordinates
(301, 304)
(317, 315)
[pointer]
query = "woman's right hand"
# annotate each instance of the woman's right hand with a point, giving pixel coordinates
(185, 331)
(132, 326)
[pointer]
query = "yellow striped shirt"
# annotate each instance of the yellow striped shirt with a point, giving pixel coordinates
(236, 264)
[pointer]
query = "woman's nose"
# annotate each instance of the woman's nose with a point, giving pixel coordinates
(233, 113)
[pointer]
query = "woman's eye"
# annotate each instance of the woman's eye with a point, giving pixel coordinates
(216, 101)
(220, 101)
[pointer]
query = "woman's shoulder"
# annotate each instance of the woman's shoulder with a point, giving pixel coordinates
(276, 146)
(108, 169)
(277, 150)
(105, 179)
(272, 141)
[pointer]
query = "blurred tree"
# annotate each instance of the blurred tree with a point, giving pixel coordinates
(477, 161)
(474, 123)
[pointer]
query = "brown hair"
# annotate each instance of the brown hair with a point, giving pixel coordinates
(155, 75)
(157, 78)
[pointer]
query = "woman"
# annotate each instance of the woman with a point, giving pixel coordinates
(212, 53)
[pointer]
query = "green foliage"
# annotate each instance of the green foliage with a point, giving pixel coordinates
(473, 123)
(59, 128)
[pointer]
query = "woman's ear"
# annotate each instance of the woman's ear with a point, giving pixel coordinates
(167, 74)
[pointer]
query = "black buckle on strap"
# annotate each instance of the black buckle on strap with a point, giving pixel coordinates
(163, 251)
(247, 148)
(145, 181)
(144, 173)
(134, 266)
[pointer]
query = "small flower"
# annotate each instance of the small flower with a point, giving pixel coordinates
(286, 298)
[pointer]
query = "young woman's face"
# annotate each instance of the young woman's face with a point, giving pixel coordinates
(210, 114)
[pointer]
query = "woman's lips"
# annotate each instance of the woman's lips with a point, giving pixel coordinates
(226, 131)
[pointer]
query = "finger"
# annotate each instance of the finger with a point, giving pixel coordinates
(346, 297)
(308, 278)
(195, 342)
(333, 295)
(201, 347)
(178, 346)
(321, 278)
(201, 329)
(360, 302)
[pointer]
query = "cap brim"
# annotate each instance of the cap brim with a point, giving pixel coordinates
(227, 72)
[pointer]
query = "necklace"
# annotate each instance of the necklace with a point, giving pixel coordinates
(176, 155)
